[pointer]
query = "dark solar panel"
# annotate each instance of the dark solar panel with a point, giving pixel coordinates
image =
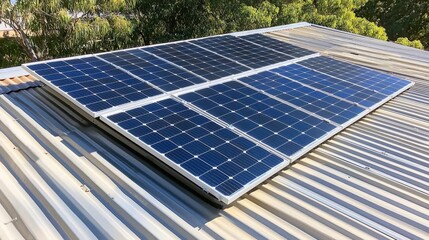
(152, 69)
(229, 136)
(328, 107)
(337, 87)
(197, 60)
(364, 77)
(276, 124)
(277, 45)
(212, 155)
(242, 51)
(93, 83)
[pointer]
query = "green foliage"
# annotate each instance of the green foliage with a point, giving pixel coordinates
(400, 18)
(59, 28)
(331, 13)
(407, 42)
(10, 55)
(263, 15)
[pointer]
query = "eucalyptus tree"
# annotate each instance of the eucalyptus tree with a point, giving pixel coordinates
(401, 18)
(56, 28)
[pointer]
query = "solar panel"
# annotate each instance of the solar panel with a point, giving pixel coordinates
(277, 45)
(92, 84)
(364, 77)
(242, 51)
(152, 69)
(280, 126)
(210, 108)
(324, 105)
(343, 89)
(204, 63)
(215, 158)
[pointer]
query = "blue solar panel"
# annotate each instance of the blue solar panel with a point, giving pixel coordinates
(152, 69)
(276, 124)
(337, 87)
(242, 51)
(204, 63)
(230, 136)
(328, 107)
(210, 154)
(364, 77)
(277, 45)
(93, 83)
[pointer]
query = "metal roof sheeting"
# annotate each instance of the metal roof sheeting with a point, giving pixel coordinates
(62, 177)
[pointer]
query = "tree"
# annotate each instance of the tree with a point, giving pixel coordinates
(337, 14)
(401, 18)
(51, 28)
(407, 42)
(59, 28)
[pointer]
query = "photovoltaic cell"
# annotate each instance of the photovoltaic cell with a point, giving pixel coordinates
(93, 83)
(152, 69)
(364, 77)
(337, 87)
(209, 153)
(274, 123)
(197, 60)
(328, 107)
(277, 45)
(279, 112)
(244, 52)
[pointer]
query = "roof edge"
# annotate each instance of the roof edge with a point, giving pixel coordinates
(273, 29)
(389, 42)
(12, 72)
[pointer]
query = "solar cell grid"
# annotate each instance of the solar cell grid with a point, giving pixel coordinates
(274, 123)
(93, 83)
(364, 77)
(215, 155)
(197, 60)
(277, 45)
(328, 107)
(337, 87)
(242, 51)
(152, 69)
(227, 137)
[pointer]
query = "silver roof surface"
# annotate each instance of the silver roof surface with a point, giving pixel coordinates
(62, 177)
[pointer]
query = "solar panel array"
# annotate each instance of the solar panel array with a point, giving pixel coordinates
(277, 45)
(329, 107)
(193, 143)
(226, 112)
(152, 69)
(197, 60)
(270, 121)
(94, 84)
(241, 51)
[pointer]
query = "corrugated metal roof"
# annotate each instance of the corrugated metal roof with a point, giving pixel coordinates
(62, 177)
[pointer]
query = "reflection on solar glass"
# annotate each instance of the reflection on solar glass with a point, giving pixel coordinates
(339, 88)
(242, 51)
(277, 45)
(364, 77)
(93, 83)
(212, 154)
(319, 103)
(197, 60)
(276, 124)
(152, 69)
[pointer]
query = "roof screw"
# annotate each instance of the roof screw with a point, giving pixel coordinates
(85, 188)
